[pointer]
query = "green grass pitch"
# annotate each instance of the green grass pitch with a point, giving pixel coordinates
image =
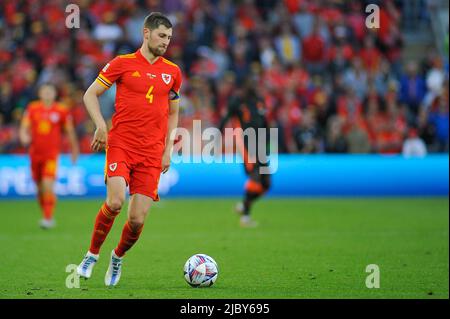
(303, 248)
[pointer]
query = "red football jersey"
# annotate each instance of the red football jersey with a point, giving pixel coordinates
(139, 123)
(47, 124)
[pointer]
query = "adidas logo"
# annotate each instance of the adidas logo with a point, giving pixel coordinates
(136, 74)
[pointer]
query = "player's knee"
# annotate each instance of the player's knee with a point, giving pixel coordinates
(135, 223)
(115, 204)
(46, 187)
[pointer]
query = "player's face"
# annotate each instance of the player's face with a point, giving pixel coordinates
(47, 93)
(158, 40)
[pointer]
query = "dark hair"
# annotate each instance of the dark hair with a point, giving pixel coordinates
(155, 19)
(49, 84)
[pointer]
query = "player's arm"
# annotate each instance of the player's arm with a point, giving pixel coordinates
(92, 104)
(174, 106)
(24, 130)
(70, 131)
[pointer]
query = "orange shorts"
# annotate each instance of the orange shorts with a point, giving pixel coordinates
(141, 177)
(43, 168)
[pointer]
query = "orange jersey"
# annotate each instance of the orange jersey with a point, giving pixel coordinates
(46, 125)
(139, 123)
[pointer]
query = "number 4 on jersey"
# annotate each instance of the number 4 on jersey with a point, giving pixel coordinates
(149, 95)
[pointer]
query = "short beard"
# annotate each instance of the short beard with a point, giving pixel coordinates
(155, 51)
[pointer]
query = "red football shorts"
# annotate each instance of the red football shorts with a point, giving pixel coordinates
(141, 177)
(43, 168)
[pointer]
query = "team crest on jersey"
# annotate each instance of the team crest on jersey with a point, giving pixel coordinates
(166, 78)
(54, 117)
(112, 167)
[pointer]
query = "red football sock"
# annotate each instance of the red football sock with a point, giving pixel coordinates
(127, 240)
(41, 202)
(48, 201)
(103, 223)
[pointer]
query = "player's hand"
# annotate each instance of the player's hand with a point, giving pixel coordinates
(99, 140)
(25, 139)
(165, 163)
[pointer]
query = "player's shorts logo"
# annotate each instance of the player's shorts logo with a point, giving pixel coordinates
(166, 78)
(112, 167)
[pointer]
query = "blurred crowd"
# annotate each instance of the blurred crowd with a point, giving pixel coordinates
(329, 83)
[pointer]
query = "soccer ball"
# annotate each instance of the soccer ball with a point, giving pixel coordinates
(200, 270)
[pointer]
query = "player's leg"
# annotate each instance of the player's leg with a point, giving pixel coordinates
(48, 197)
(117, 175)
(43, 174)
(143, 189)
(115, 197)
(255, 187)
(248, 167)
(137, 212)
(39, 197)
(48, 201)
(36, 174)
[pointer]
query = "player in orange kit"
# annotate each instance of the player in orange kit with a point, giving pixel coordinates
(41, 128)
(139, 144)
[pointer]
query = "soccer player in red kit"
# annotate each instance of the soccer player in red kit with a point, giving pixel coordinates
(41, 128)
(139, 144)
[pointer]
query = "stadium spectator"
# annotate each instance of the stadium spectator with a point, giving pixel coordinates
(435, 79)
(288, 45)
(412, 87)
(303, 20)
(356, 77)
(439, 119)
(335, 141)
(314, 48)
(307, 134)
(357, 138)
(414, 146)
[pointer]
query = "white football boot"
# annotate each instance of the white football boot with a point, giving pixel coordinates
(112, 276)
(47, 223)
(85, 268)
(247, 222)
